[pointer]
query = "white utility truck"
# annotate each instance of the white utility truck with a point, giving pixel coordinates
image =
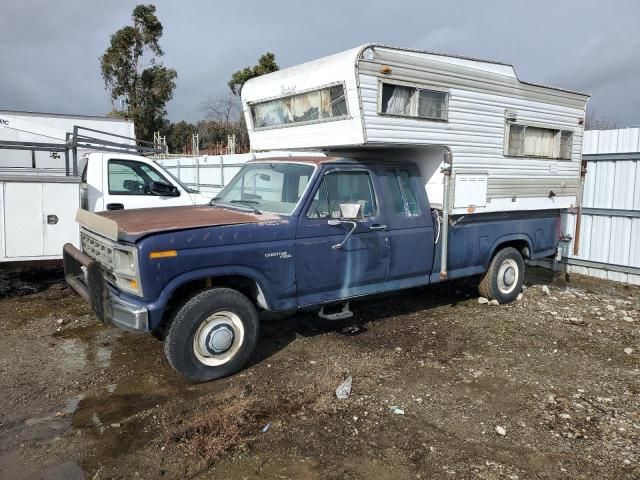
(47, 173)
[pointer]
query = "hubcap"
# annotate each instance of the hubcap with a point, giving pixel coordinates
(508, 276)
(218, 338)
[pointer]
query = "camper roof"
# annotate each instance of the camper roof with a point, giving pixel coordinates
(349, 59)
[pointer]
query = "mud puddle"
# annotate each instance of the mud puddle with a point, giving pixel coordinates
(86, 347)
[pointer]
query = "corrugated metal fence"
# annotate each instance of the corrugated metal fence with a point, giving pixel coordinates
(609, 245)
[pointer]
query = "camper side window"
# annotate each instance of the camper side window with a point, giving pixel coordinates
(530, 141)
(319, 105)
(408, 101)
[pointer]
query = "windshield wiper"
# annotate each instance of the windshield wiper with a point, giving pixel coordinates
(248, 204)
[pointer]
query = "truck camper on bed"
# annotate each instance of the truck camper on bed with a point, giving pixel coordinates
(511, 145)
(436, 167)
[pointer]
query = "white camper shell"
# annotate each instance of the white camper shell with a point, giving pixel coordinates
(510, 145)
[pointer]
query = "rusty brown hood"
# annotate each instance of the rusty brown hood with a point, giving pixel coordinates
(136, 223)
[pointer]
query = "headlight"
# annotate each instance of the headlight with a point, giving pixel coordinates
(125, 270)
(124, 262)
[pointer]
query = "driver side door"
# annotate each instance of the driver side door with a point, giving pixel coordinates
(127, 185)
(361, 265)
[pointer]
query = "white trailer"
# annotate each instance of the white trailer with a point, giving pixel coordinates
(484, 140)
(35, 127)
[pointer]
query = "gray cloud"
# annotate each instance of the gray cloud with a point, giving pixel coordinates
(49, 50)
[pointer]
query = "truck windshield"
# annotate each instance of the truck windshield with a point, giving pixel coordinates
(271, 187)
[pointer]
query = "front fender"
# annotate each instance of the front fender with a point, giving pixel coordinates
(158, 306)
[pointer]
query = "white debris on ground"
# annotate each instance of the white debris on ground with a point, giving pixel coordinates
(344, 389)
(501, 431)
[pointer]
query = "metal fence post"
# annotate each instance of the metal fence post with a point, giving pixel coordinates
(66, 154)
(74, 143)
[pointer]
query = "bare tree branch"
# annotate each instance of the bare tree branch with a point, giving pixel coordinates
(593, 121)
(223, 110)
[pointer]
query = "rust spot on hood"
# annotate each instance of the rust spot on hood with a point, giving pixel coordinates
(135, 223)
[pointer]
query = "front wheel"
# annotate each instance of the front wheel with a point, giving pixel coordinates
(212, 335)
(503, 280)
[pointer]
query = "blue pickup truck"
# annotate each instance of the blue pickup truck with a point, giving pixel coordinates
(287, 234)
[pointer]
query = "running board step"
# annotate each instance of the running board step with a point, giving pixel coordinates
(341, 315)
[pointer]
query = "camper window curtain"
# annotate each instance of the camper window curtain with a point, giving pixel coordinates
(396, 99)
(539, 142)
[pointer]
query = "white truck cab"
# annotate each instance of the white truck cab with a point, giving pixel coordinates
(117, 181)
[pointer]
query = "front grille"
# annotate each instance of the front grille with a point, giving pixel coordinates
(100, 250)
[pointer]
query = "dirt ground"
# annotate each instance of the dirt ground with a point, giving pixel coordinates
(443, 387)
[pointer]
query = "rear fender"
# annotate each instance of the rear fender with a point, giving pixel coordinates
(505, 239)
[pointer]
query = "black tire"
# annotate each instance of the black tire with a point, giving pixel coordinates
(230, 312)
(503, 280)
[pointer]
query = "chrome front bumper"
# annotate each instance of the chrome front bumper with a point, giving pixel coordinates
(84, 275)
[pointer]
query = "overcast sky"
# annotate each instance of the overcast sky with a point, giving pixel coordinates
(49, 50)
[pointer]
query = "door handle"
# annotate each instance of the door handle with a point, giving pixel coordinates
(115, 206)
(377, 227)
(52, 219)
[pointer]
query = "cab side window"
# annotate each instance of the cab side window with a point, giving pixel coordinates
(343, 187)
(128, 177)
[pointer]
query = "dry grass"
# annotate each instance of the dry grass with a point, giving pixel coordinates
(238, 418)
(219, 428)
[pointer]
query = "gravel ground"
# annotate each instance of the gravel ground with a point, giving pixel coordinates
(443, 386)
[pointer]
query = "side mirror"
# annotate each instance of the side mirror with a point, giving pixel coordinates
(351, 211)
(164, 189)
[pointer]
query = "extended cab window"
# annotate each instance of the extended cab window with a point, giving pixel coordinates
(403, 195)
(343, 187)
(273, 187)
(128, 177)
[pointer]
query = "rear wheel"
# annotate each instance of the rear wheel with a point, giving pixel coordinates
(212, 335)
(503, 280)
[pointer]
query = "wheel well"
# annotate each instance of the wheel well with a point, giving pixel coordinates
(521, 245)
(245, 285)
